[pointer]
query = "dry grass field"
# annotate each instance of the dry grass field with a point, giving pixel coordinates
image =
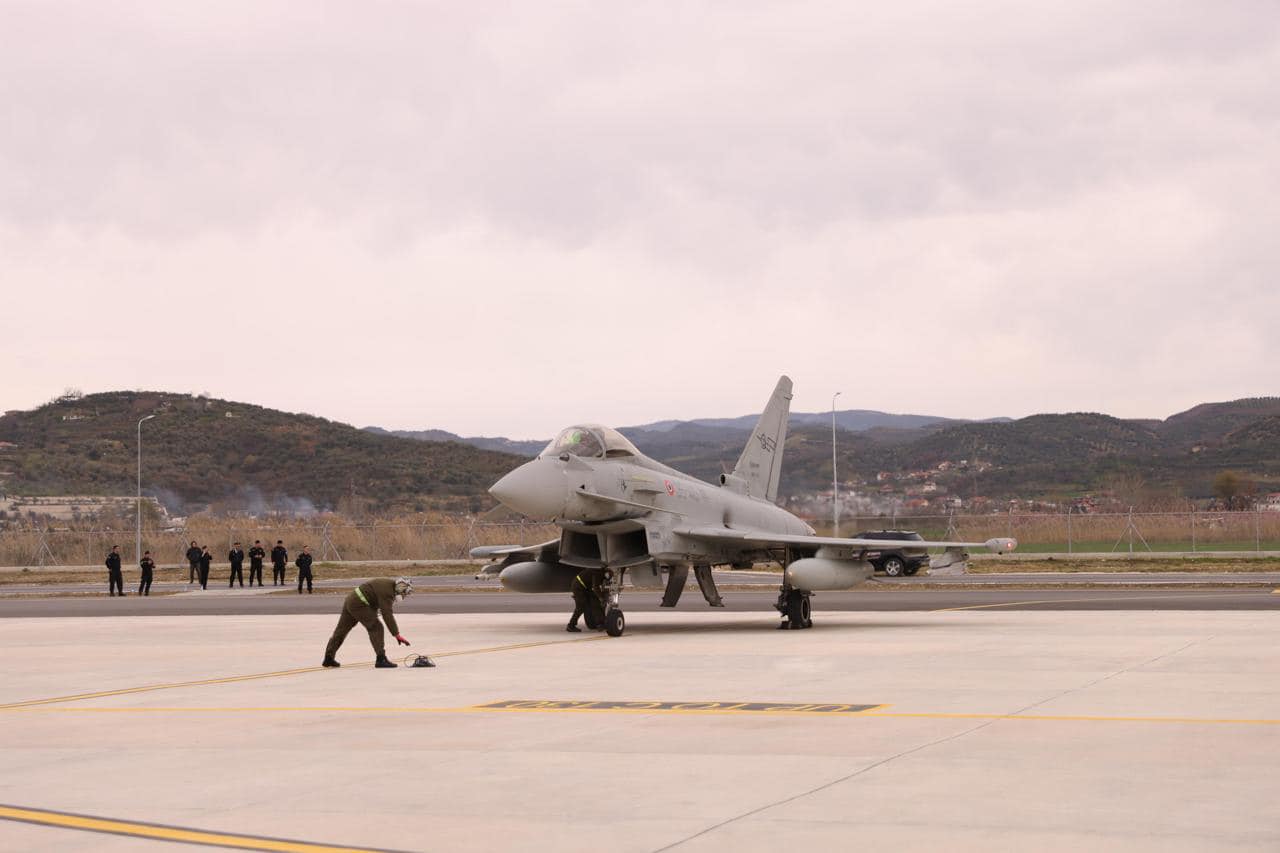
(334, 539)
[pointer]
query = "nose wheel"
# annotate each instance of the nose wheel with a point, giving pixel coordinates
(614, 622)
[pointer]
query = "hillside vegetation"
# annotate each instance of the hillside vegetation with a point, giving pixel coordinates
(199, 451)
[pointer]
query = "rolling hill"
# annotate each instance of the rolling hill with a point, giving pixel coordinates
(200, 451)
(235, 456)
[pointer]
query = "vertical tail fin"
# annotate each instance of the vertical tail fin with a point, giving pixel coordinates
(760, 464)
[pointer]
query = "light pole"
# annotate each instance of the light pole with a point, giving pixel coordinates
(835, 482)
(137, 550)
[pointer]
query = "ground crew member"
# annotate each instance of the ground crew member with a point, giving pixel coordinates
(363, 605)
(147, 565)
(304, 569)
(115, 578)
(279, 559)
(236, 558)
(586, 602)
(193, 557)
(205, 560)
(255, 562)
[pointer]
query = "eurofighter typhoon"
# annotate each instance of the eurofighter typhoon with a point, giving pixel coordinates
(624, 515)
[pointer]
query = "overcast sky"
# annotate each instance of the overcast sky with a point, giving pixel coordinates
(501, 218)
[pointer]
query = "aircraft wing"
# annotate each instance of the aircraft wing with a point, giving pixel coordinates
(747, 536)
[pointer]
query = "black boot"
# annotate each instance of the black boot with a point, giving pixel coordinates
(572, 628)
(383, 663)
(329, 660)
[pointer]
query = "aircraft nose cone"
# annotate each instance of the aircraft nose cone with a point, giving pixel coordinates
(535, 489)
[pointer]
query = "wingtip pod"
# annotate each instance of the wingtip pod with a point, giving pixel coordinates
(1001, 545)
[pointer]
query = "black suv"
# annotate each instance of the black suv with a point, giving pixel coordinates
(896, 561)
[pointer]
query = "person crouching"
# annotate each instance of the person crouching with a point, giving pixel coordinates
(363, 604)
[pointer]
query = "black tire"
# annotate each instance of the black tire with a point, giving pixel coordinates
(894, 566)
(799, 611)
(614, 623)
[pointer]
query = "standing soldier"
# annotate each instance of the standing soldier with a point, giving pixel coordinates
(304, 569)
(279, 559)
(236, 558)
(205, 560)
(193, 557)
(255, 562)
(147, 565)
(115, 578)
(363, 605)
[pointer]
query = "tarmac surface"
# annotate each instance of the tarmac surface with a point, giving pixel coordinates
(1006, 724)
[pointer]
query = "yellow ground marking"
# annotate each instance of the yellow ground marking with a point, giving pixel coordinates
(159, 832)
(1095, 598)
(237, 678)
(872, 711)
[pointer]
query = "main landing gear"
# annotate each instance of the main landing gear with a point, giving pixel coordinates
(796, 609)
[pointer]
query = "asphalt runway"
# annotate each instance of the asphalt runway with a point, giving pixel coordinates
(890, 598)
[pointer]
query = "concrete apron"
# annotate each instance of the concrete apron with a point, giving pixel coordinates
(945, 730)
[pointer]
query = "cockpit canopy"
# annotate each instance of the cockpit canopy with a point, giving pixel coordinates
(591, 441)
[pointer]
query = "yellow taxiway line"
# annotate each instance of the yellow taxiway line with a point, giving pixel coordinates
(632, 708)
(148, 688)
(160, 832)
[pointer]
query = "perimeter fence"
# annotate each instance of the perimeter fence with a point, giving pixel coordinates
(330, 540)
(337, 540)
(1092, 533)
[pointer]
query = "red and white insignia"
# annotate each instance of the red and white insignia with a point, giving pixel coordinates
(671, 487)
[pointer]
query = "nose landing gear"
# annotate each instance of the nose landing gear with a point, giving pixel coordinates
(614, 622)
(611, 588)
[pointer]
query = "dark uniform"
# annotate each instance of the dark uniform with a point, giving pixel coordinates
(304, 570)
(147, 565)
(193, 557)
(586, 602)
(115, 577)
(205, 559)
(236, 557)
(256, 554)
(279, 559)
(363, 605)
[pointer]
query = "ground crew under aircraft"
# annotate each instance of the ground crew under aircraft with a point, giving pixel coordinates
(279, 559)
(304, 569)
(115, 578)
(256, 555)
(193, 557)
(236, 558)
(363, 604)
(586, 602)
(147, 565)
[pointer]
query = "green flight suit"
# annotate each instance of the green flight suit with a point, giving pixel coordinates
(363, 604)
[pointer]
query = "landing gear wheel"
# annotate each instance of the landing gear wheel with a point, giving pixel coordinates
(614, 623)
(894, 567)
(799, 610)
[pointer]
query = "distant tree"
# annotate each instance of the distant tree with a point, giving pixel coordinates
(1232, 489)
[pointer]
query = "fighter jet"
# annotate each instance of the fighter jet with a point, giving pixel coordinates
(624, 515)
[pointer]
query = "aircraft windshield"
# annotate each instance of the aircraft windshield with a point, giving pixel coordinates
(577, 441)
(591, 441)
